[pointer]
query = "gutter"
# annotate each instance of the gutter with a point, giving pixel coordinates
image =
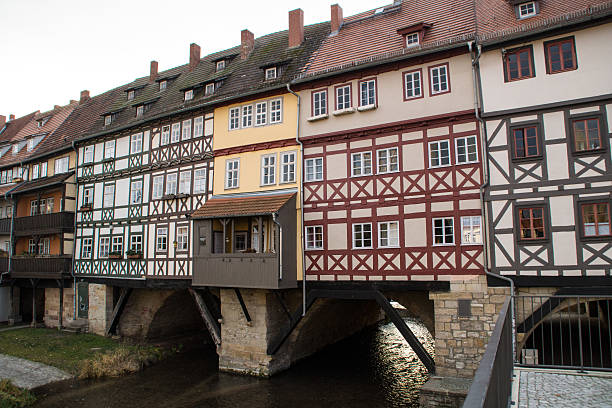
(301, 191)
(76, 206)
(280, 249)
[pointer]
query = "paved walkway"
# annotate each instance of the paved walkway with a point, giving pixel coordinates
(28, 374)
(561, 388)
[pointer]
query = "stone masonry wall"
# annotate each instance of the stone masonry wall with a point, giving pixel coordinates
(100, 308)
(52, 304)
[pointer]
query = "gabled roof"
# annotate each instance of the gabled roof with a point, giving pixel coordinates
(13, 127)
(222, 207)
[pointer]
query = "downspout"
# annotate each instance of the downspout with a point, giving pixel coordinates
(280, 249)
(301, 191)
(76, 205)
(10, 251)
(476, 80)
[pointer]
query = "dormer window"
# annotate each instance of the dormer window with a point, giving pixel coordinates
(414, 34)
(271, 73)
(412, 39)
(189, 95)
(131, 94)
(163, 85)
(220, 65)
(140, 109)
(108, 119)
(42, 122)
(210, 89)
(525, 10)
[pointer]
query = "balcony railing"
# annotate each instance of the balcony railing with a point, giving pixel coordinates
(49, 267)
(3, 264)
(5, 226)
(44, 224)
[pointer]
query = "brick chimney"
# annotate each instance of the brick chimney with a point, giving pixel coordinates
(11, 117)
(336, 18)
(153, 73)
(296, 27)
(194, 55)
(247, 43)
(84, 96)
(2, 121)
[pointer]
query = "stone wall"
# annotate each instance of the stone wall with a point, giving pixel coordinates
(100, 308)
(52, 304)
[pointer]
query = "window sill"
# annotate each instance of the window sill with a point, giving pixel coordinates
(529, 159)
(590, 152)
(595, 238)
(444, 245)
(538, 241)
(367, 108)
(318, 117)
(344, 111)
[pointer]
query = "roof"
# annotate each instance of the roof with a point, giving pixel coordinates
(13, 127)
(221, 207)
(42, 183)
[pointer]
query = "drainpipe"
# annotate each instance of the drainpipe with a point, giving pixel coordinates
(76, 205)
(476, 80)
(280, 249)
(10, 249)
(301, 191)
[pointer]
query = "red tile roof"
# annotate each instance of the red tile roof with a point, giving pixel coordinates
(13, 127)
(242, 206)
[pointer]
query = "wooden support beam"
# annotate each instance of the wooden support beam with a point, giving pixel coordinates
(276, 344)
(118, 310)
(209, 321)
(243, 305)
(260, 242)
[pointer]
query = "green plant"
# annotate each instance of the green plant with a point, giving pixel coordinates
(14, 397)
(132, 251)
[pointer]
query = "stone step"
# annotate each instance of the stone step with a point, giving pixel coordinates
(76, 326)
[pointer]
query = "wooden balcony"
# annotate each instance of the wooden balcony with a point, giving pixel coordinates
(3, 264)
(44, 224)
(41, 267)
(5, 226)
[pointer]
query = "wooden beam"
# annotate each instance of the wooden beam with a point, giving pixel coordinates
(276, 344)
(118, 310)
(209, 321)
(242, 305)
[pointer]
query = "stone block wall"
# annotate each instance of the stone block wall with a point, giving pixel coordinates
(52, 304)
(100, 308)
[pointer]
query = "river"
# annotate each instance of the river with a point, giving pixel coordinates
(375, 368)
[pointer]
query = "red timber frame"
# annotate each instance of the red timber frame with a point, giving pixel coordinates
(412, 192)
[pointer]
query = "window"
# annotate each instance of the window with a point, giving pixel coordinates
(596, 219)
(136, 192)
(388, 234)
(109, 149)
(188, 95)
(171, 183)
(109, 195)
(131, 94)
(44, 246)
(319, 103)
(526, 142)
(220, 65)
(199, 181)
(35, 171)
(268, 169)
(234, 118)
(412, 85)
(136, 242)
(161, 243)
(108, 119)
(104, 247)
(466, 150)
(186, 129)
(163, 85)
(182, 238)
(136, 143)
(139, 111)
(33, 207)
(158, 187)
(176, 132)
(165, 135)
(586, 134)
(531, 223)
(439, 154)
(276, 111)
(387, 160)
(86, 248)
(470, 230)
(270, 73)
(88, 154)
(367, 93)
(412, 39)
(247, 116)
(361, 164)
(117, 246)
(343, 97)
(260, 113)
(519, 64)
(232, 171)
(209, 89)
(61, 165)
(443, 231)
(362, 236)
(198, 126)
(43, 169)
(88, 195)
(314, 237)
(438, 76)
(185, 182)
(560, 55)
(527, 10)
(314, 169)
(240, 241)
(288, 167)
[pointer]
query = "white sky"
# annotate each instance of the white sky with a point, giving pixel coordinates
(50, 50)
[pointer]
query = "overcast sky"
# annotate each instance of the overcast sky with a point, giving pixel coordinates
(50, 50)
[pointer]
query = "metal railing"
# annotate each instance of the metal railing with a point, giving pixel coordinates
(564, 331)
(493, 380)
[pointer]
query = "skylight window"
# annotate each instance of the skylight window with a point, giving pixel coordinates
(271, 73)
(163, 85)
(131, 94)
(42, 122)
(220, 65)
(108, 119)
(189, 95)
(527, 10)
(380, 10)
(412, 39)
(210, 89)
(140, 111)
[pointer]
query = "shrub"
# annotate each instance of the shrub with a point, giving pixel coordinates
(14, 397)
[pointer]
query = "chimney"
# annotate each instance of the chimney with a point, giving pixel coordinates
(2, 121)
(336, 18)
(84, 96)
(247, 43)
(296, 27)
(11, 117)
(194, 56)
(153, 74)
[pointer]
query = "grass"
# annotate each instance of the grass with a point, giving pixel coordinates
(14, 397)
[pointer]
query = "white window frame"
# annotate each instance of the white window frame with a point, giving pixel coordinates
(109, 149)
(392, 240)
(444, 226)
(470, 222)
(261, 113)
(198, 126)
(199, 181)
(313, 175)
(370, 84)
(232, 173)
(186, 130)
(362, 167)
(86, 248)
(161, 239)
(44, 169)
(136, 143)
(268, 169)
(188, 95)
(363, 239)
(131, 94)
(527, 13)
(165, 135)
(163, 85)
(109, 191)
(389, 165)
(343, 93)
(88, 154)
(175, 134)
(104, 247)
(35, 171)
(220, 65)
(158, 187)
(209, 89)
(276, 110)
(136, 242)
(319, 103)
(171, 183)
(288, 167)
(413, 77)
(439, 71)
(247, 116)
(438, 144)
(139, 111)
(466, 139)
(271, 73)
(108, 119)
(88, 193)
(136, 192)
(182, 238)
(117, 243)
(412, 39)
(185, 182)
(62, 165)
(314, 237)
(234, 118)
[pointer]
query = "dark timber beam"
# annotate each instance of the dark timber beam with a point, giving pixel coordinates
(294, 321)
(209, 320)
(118, 310)
(242, 305)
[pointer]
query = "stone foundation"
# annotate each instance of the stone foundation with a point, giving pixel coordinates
(444, 392)
(100, 308)
(52, 304)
